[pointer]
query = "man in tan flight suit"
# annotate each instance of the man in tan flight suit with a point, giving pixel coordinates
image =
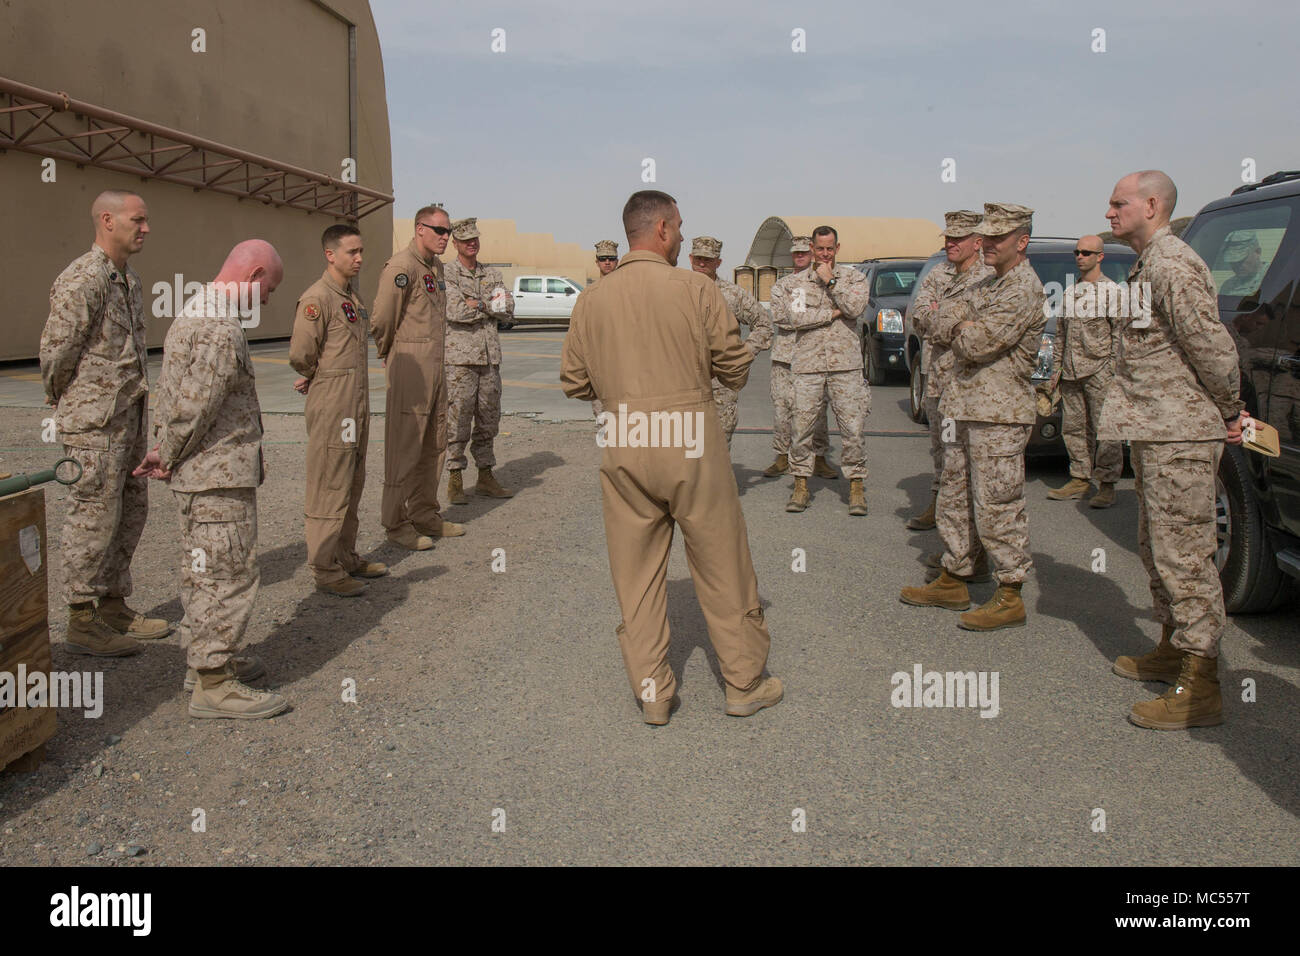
(706, 256)
(477, 299)
(409, 325)
(93, 364)
(328, 349)
(208, 447)
(648, 339)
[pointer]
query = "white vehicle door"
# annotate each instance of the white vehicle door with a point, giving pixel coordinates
(560, 295)
(530, 298)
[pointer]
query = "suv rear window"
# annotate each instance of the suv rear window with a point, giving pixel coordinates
(1240, 243)
(530, 285)
(895, 281)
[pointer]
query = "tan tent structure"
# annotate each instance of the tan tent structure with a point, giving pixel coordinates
(229, 132)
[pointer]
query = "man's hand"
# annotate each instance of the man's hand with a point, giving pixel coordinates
(1235, 426)
(824, 271)
(301, 385)
(475, 304)
(836, 314)
(152, 467)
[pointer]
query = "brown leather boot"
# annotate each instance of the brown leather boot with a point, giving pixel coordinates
(1074, 488)
(218, 693)
(407, 537)
(455, 489)
(822, 469)
(857, 498)
(489, 487)
(779, 467)
(925, 520)
(659, 712)
(799, 498)
(1164, 664)
(348, 587)
(122, 619)
(747, 703)
(1003, 609)
(1193, 701)
(88, 633)
(1105, 496)
(944, 591)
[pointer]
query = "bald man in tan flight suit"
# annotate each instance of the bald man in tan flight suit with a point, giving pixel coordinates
(648, 338)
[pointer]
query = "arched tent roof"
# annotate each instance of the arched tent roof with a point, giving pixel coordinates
(860, 238)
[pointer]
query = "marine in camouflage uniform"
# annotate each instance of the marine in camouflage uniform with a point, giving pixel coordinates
(606, 262)
(473, 362)
(827, 364)
(994, 333)
(207, 433)
(1175, 397)
(782, 379)
(706, 256)
(942, 289)
(93, 365)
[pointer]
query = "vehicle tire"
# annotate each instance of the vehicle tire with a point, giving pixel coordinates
(916, 393)
(871, 370)
(1252, 581)
(505, 326)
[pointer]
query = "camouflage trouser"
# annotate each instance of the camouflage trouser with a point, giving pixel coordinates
(473, 413)
(850, 399)
(1176, 538)
(107, 508)
(219, 574)
(982, 500)
(1081, 402)
(725, 400)
(935, 421)
(783, 414)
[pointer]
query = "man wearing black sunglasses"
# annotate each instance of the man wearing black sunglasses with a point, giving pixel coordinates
(606, 257)
(409, 323)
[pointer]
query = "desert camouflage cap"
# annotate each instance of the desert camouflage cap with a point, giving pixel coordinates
(607, 247)
(801, 244)
(463, 229)
(1003, 217)
(960, 223)
(706, 247)
(1239, 244)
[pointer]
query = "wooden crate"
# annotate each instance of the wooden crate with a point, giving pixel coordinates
(24, 623)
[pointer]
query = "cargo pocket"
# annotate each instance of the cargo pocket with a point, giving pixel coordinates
(1182, 486)
(1001, 462)
(91, 452)
(217, 526)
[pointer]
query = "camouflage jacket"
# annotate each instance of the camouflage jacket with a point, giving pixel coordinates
(1176, 378)
(941, 291)
(1085, 340)
(410, 307)
(207, 422)
(328, 347)
(93, 359)
(749, 314)
(783, 334)
(992, 377)
(822, 343)
(472, 332)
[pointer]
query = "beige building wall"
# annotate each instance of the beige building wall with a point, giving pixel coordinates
(273, 81)
(517, 253)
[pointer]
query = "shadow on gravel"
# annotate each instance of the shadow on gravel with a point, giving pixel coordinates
(747, 477)
(518, 475)
(689, 630)
(1095, 604)
(280, 564)
(917, 488)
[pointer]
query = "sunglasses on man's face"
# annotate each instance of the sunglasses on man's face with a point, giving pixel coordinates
(607, 258)
(1087, 252)
(440, 230)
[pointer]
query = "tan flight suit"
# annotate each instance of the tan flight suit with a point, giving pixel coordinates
(207, 426)
(1176, 382)
(409, 325)
(93, 366)
(328, 347)
(651, 337)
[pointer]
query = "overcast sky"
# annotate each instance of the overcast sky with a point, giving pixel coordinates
(553, 131)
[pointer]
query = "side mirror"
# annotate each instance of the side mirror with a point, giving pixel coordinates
(568, 290)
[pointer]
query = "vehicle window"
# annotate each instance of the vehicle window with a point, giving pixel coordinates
(1240, 243)
(895, 281)
(556, 285)
(1059, 267)
(1117, 268)
(530, 285)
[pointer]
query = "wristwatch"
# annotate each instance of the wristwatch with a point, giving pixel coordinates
(831, 284)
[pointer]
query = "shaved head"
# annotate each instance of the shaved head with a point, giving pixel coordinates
(1152, 182)
(253, 260)
(1092, 243)
(645, 210)
(1140, 206)
(121, 223)
(110, 201)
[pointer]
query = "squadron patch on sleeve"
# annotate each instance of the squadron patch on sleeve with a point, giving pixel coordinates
(311, 312)
(400, 280)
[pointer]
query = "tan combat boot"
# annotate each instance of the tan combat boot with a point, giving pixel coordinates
(1193, 701)
(489, 487)
(925, 520)
(122, 619)
(1105, 496)
(369, 569)
(456, 490)
(857, 498)
(218, 693)
(779, 467)
(657, 713)
(88, 633)
(246, 669)
(744, 703)
(944, 591)
(1163, 664)
(1003, 609)
(799, 498)
(1074, 488)
(410, 539)
(348, 587)
(445, 529)
(822, 469)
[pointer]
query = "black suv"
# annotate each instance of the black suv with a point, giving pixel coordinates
(1251, 242)
(892, 283)
(1053, 260)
